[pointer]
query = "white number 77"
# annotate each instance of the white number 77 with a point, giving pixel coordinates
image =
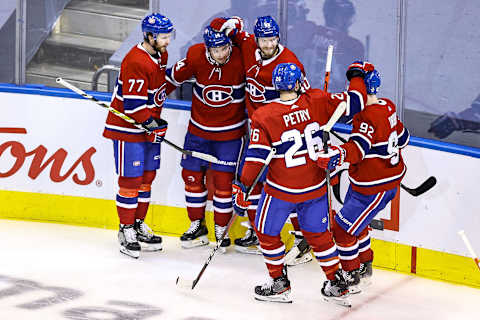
(132, 83)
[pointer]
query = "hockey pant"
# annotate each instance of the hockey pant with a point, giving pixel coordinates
(350, 226)
(271, 216)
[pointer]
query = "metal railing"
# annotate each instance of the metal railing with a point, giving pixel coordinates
(96, 76)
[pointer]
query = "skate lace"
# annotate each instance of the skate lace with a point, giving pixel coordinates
(268, 284)
(193, 226)
(248, 234)
(145, 230)
(130, 235)
(219, 231)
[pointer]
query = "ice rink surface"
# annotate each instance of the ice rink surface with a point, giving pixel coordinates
(53, 271)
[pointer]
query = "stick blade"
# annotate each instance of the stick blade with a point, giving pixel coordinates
(424, 187)
(205, 156)
(184, 283)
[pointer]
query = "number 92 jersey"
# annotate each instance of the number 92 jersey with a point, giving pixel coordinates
(373, 149)
(293, 129)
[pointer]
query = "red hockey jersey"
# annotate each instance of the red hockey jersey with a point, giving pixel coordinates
(139, 93)
(260, 90)
(218, 100)
(373, 149)
(293, 129)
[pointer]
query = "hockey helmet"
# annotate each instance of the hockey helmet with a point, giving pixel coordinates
(156, 23)
(372, 82)
(285, 76)
(266, 26)
(214, 39)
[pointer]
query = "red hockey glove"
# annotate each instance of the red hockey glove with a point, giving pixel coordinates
(239, 193)
(228, 26)
(334, 157)
(359, 69)
(157, 128)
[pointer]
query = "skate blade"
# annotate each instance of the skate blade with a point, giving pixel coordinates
(248, 250)
(303, 259)
(222, 250)
(200, 241)
(130, 253)
(291, 255)
(354, 289)
(365, 283)
(151, 247)
(344, 302)
(281, 298)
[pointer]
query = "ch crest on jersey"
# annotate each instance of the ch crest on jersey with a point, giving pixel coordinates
(160, 96)
(217, 96)
(256, 90)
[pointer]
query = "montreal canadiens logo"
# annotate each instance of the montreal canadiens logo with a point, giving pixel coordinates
(160, 96)
(256, 90)
(217, 96)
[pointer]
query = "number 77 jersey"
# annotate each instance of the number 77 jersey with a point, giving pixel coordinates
(293, 129)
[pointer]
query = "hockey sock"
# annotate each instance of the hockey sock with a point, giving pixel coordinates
(294, 221)
(144, 194)
(273, 250)
(127, 198)
(365, 253)
(325, 251)
(222, 198)
(195, 193)
(347, 246)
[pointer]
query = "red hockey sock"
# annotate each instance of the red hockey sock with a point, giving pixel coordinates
(365, 253)
(144, 194)
(127, 198)
(273, 250)
(195, 193)
(347, 246)
(325, 251)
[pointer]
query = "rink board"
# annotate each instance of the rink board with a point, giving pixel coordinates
(55, 166)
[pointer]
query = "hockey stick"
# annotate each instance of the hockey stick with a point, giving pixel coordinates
(325, 134)
(469, 248)
(192, 283)
(200, 155)
(328, 67)
(421, 189)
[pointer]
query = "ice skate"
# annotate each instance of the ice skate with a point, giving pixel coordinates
(275, 290)
(225, 242)
(249, 243)
(195, 236)
(353, 281)
(127, 236)
(366, 272)
(145, 236)
(300, 252)
(336, 290)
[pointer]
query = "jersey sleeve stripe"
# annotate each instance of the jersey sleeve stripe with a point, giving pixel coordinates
(404, 138)
(362, 142)
(354, 103)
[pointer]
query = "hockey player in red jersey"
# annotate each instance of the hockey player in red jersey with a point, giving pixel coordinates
(261, 54)
(140, 94)
(217, 125)
(376, 170)
(292, 125)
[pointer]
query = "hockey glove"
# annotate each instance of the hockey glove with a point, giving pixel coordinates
(335, 157)
(239, 194)
(359, 69)
(228, 26)
(157, 128)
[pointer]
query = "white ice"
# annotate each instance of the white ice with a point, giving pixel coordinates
(94, 281)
